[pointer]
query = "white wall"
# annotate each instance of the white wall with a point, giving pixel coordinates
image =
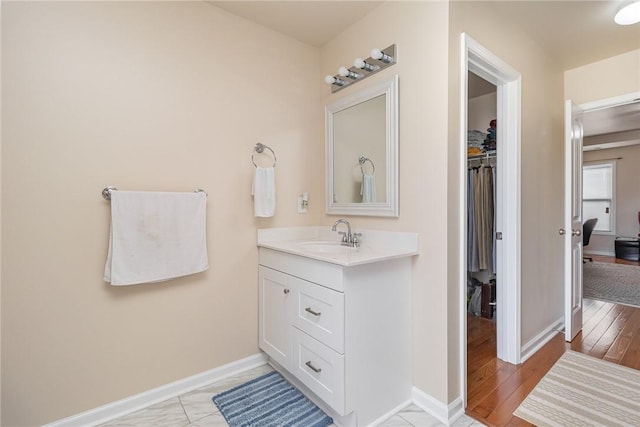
(144, 96)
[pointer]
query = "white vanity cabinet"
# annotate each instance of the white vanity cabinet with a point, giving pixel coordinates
(343, 332)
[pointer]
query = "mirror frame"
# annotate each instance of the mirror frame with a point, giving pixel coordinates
(389, 208)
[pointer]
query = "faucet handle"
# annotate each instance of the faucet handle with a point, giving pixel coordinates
(355, 240)
(344, 236)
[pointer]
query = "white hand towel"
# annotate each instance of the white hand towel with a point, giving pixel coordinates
(155, 236)
(368, 189)
(264, 192)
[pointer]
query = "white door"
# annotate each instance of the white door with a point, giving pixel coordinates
(572, 230)
(276, 298)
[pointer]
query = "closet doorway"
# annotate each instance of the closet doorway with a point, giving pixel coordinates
(505, 185)
(482, 150)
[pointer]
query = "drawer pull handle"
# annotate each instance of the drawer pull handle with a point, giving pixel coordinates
(309, 310)
(286, 291)
(313, 368)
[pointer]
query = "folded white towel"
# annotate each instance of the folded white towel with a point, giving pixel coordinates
(264, 192)
(155, 236)
(368, 189)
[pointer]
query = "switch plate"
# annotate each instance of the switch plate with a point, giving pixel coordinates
(302, 207)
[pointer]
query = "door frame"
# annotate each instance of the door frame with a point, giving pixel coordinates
(586, 107)
(482, 62)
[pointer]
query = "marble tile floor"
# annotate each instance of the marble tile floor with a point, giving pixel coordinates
(196, 409)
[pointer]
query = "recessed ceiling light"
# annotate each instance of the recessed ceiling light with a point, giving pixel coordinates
(629, 14)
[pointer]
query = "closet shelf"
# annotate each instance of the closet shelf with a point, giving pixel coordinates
(486, 155)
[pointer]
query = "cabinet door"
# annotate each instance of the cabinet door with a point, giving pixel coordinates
(275, 314)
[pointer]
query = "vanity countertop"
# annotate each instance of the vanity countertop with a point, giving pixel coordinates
(322, 244)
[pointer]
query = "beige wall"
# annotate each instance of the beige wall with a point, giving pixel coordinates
(419, 30)
(143, 96)
(615, 76)
(627, 195)
(481, 110)
(541, 166)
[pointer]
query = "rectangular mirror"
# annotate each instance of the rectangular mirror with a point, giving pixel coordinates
(362, 152)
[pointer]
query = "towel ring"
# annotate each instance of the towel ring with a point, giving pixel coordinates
(362, 160)
(259, 148)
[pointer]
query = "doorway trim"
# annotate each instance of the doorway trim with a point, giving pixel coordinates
(479, 60)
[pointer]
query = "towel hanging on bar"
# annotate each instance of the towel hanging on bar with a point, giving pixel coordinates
(155, 236)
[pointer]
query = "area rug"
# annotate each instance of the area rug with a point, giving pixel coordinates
(269, 400)
(617, 283)
(581, 390)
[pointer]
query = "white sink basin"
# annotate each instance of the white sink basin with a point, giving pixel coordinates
(323, 247)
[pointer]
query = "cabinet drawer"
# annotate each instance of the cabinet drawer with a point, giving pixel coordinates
(320, 368)
(319, 312)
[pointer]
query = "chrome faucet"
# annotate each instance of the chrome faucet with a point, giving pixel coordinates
(348, 239)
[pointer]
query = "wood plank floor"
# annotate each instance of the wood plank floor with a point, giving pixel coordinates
(496, 388)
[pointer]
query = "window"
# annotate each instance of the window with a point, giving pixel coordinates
(598, 195)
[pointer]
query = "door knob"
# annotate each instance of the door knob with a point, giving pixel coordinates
(576, 232)
(561, 231)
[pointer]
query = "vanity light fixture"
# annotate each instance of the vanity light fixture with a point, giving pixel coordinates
(345, 72)
(362, 68)
(628, 15)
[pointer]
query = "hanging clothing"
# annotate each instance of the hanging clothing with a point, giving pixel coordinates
(472, 240)
(487, 219)
(481, 219)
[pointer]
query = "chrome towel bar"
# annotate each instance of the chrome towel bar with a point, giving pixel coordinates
(106, 192)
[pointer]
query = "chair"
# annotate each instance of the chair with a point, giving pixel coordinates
(587, 228)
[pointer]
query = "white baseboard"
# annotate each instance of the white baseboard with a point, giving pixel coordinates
(111, 411)
(391, 413)
(446, 414)
(603, 253)
(541, 339)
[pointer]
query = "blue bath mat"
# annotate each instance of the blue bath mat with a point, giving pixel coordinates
(269, 400)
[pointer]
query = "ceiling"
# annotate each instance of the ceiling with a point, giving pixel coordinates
(311, 22)
(574, 33)
(622, 118)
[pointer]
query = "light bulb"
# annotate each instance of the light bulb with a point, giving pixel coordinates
(345, 72)
(629, 14)
(380, 55)
(331, 80)
(360, 63)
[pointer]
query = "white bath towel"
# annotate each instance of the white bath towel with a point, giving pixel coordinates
(155, 236)
(368, 189)
(264, 192)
